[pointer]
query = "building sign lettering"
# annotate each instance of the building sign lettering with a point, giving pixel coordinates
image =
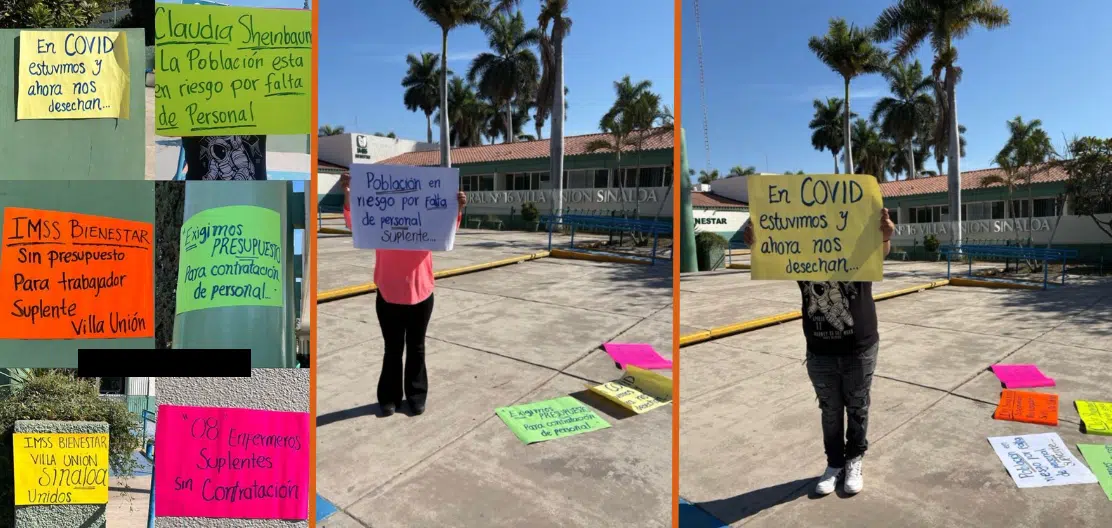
(710, 221)
(570, 196)
(361, 147)
(974, 226)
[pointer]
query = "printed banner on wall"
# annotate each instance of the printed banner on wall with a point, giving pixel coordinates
(817, 227)
(73, 75)
(1038, 460)
(231, 463)
(404, 207)
(75, 276)
(222, 70)
(60, 468)
(230, 256)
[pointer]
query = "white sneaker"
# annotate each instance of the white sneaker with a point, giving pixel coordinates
(828, 481)
(854, 482)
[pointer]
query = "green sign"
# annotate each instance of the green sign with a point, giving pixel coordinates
(550, 419)
(230, 256)
(1099, 458)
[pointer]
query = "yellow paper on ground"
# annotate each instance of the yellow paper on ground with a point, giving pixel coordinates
(638, 390)
(60, 468)
(73, 75)
(1097, 416)
(222, 70)
(816, 227)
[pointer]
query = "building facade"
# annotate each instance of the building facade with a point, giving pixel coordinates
(336, 153)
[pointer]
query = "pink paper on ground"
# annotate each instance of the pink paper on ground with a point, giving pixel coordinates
(1021, 376)
(638, 355)
(207, 456)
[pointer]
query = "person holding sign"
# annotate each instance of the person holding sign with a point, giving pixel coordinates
(225, 157)
(405, 282)
(840, 324)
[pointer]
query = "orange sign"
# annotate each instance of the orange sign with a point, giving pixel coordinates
(1027, 407)
(75, 276)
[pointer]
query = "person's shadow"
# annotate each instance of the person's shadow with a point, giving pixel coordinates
(748, 504)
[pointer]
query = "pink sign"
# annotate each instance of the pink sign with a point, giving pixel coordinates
(639, 355)
(1021, 376)
(231, 463)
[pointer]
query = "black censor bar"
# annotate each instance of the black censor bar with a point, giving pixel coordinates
(154, 363)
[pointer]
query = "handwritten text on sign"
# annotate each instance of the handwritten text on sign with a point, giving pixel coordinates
(55, 468)
(232, 71)
(816, 227)
(73, 75)
(232, 463)
(230, 256)
(550, 419)
(404, 207)
(75, 276)
(638, 390)
(1037, 460)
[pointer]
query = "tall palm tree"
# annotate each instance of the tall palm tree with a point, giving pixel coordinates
(421, 82)
(871, 148)
(329, 130)
(707, 177)
(738, 170)
(940, 22)
(848, 51)
(1010, 179)
(554, 12)
(512, 66)
(1028, 147)
(910, 106)
(619, 122)
(828, 127)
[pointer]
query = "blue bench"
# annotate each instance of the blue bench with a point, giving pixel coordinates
(1044, 255)
(607, 223)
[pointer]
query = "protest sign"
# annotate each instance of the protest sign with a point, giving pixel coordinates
(230, 256)
(1099, 458)
(550, 419)
(818, 227)
(75, 276)
(637, 354)
(1027, 407)
(1096, 416)
(73, 75)
(404, 207)
(60, 468)
(1038, 460)
(1024, 376)
(232, 463)
(638, 390)
(222, 70)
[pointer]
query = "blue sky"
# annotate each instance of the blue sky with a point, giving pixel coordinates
(761, 78)
(363, 46)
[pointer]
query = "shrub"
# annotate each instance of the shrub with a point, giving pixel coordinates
(706, 241)
(931, 243)
(529, 212)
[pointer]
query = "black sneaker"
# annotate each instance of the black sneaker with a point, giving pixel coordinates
(388, 409)
(417, 408)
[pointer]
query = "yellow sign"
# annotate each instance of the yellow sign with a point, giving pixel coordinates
(73, 75)
(223, 70)
(816, 227)
(60, 468)
(638, 390)
(1097, 416)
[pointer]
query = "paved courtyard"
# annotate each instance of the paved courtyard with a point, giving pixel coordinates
(750, 440)
(510, 335)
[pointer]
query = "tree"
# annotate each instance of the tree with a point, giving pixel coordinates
(1010, 179)
(1089, 187)
(828, 127)
(619, 122)
(912, 22)
(421, 83)
(707, 177)
(738, 170)
(910, 106)
(555, 12)
(27, 14)
(390, 135)
(848, 51)
(512, 68)
(798, 172)
(1029, 148)
(329, 130)
(645, 114)
(871, 148)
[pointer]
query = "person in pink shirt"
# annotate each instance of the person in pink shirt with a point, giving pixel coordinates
(405, 282)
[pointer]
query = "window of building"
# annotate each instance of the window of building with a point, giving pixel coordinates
(929, 214)
(1041, 207)
(476, 182)
(586, 179)
(646, 177)
(523, 181)
(983, 210)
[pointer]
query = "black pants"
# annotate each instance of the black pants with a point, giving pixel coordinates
(403, 330)
(842, 384)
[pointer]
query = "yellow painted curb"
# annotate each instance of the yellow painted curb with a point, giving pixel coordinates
(964, 281)
(739, 265)
(333, 231)
(913, 289)
(360, 289)
(576, 255)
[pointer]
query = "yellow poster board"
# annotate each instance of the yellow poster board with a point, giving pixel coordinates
(73, 75)
(638, 390)
(816, 227)
(1097, 416)
(60, 468)
(222, 70)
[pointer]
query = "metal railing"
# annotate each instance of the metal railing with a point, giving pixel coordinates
(607, 224)
(1017, 253)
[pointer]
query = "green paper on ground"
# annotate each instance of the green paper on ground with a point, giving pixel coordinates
(230, 256)
(1099, 458)
(550, 419)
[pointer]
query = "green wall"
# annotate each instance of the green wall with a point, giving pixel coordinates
(72, 149)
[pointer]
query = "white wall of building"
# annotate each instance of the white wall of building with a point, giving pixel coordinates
(736, 188)
(648, 201)
(348, 148)
(1070, 231)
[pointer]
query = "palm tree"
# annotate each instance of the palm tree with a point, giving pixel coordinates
(738, 170)
(796, 173)
(903, 114)
(329, 130)
(848, 51)
(645, 114)
(422, 90)
(619, 123)
(871, 148)
(554, 12)
(913, 22)
(511, 69)
(1011, 178)
(829, 127)
(707, 177)
(1028, 147)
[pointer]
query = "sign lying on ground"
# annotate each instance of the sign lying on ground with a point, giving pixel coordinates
(1099, 458)
(230, 256)
(1097, 416)
(232, 463)
(636, 354)
(75, 276)
(1038, 460)
(818, 227)
(1024, 376)
(222, 70)
(73, 75)
(550, 419)
(57, 468)
(1027, 407)
(404, 207)
(638, 390)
